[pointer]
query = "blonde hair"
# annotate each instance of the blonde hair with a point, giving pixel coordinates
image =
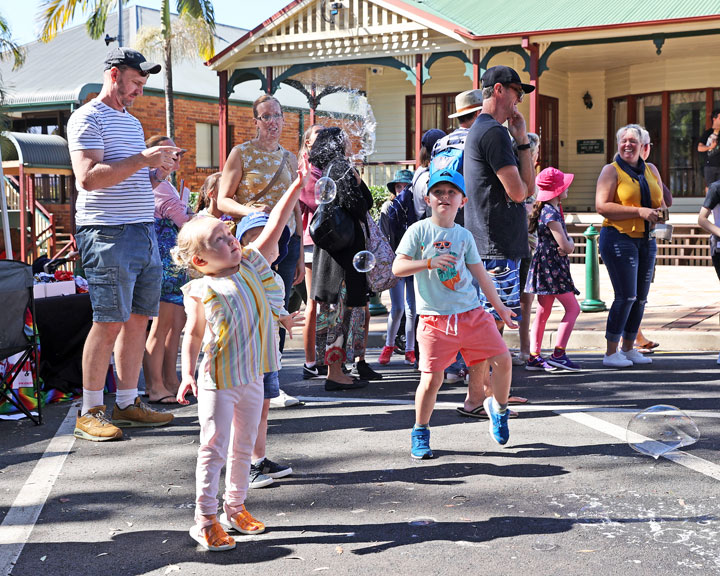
(190, 242)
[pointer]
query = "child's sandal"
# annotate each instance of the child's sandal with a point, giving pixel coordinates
(215, 539)
(243, 522)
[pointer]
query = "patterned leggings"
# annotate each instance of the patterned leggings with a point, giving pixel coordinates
(340, 332)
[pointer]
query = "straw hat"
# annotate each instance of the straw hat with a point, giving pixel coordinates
(467, 102)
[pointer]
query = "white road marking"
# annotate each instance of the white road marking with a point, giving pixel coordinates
(679, 457)
(23, 514)
(574, 412)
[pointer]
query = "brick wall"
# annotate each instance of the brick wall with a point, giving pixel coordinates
(150, 110)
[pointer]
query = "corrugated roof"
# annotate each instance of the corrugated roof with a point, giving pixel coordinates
(496, 18)
(55, 71)
(36, 149)
(71, 66)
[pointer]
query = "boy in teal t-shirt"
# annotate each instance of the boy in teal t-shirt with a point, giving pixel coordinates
(444, 260)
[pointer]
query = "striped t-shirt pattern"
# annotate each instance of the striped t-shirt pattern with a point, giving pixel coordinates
(96, 126)
(239, 344)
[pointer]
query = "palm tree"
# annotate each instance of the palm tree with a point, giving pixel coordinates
(9, 50)
(197, 15)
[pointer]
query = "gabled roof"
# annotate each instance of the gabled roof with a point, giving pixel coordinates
(521, 17)
(463, 24)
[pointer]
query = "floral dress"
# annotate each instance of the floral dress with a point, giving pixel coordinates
(549, 271)
(173, 277)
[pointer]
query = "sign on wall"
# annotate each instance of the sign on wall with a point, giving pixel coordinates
(591, 146)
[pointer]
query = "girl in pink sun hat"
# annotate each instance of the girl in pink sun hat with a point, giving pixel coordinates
(549, 276)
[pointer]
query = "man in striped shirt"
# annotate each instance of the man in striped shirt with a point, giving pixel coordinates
(117, 243)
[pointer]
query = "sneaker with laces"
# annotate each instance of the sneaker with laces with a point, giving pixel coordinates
(273, 469)
(386, 354)
(284, 400)
(420, 439)
(95, 426)
(257, 478)
(636, 357)
(616, 360)
(316, 371)
(562, 362)
(410, 358)
(538, 364)
(139, 415)
(498, 422)
(519, 359)
(242, 522)
(362, 371)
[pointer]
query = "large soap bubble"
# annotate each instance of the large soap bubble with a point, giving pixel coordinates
(325, 190)
(364, 261)
(661, 429)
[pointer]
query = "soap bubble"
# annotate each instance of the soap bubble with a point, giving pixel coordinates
(325, 190)
(364, 261)
(661, 429)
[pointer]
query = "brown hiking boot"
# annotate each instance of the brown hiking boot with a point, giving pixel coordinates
(95, 426)
(139, 415)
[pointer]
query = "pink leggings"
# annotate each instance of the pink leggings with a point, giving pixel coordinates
(229, 421)
(544, 307)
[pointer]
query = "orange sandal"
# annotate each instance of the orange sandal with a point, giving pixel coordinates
(212, 537)
(243, 522)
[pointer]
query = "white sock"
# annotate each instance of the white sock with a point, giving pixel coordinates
(310, 364)
(123, 398)
(258, 461)
(91, 399)
(500, 408)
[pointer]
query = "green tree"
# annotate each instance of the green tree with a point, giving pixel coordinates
(9, 50)
(196, 30)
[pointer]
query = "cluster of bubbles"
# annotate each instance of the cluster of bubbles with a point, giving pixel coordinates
(661, 429)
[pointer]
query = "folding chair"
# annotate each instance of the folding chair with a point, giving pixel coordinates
(16, 296)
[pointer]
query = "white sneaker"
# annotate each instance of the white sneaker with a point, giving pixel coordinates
(617, 360)
(636, 357)
(283, 401)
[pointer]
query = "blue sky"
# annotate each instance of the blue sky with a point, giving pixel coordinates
(242, 13)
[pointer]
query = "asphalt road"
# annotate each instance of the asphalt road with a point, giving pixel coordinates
(567, 496)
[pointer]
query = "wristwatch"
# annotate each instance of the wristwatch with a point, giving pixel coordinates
(524, 146)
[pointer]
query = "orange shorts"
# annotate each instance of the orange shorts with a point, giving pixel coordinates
(473, 333)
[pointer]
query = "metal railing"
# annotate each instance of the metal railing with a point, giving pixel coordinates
(380, 173)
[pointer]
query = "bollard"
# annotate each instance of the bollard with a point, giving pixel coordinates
(592, 302)
(377, 308)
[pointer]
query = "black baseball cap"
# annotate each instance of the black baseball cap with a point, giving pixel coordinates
(504, 75)
(132, 58)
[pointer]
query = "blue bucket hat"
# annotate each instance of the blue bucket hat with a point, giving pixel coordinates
(401, 177)
(259, 220)
(451, 176)
(252, 220)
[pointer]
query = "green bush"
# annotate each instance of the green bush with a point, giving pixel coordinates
(379, 194)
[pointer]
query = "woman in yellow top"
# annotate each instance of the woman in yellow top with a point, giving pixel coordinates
(629, 196)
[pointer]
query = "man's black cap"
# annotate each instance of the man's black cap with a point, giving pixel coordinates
(131, 58)
(504, 75)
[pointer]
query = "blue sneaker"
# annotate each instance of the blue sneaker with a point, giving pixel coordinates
(498, 422)
(562, 362)
(539, 364)
(420, 438)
